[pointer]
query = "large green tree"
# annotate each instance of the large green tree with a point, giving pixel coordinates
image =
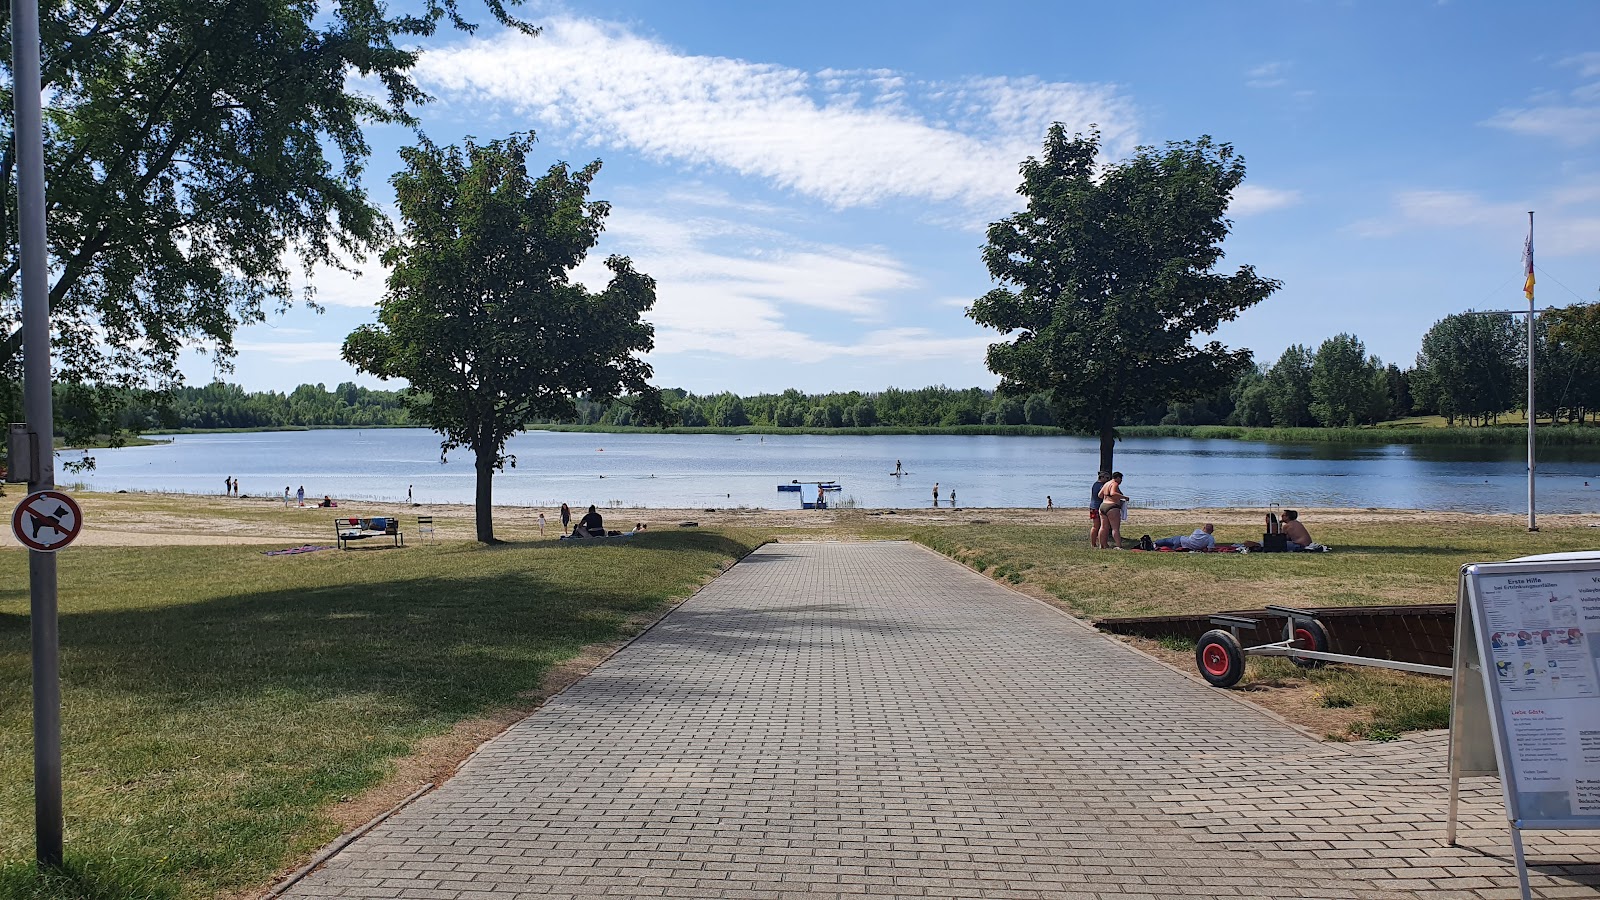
(1348, 387)
(1469, 367)
(197, 152)
(1288, 387)
(481, 316)
(1109, 273)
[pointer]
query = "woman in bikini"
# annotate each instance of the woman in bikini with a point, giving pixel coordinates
(1112, 499)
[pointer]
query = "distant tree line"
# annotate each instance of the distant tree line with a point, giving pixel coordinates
(221, 405)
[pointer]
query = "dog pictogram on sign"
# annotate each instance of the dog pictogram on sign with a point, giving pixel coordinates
(46, 520)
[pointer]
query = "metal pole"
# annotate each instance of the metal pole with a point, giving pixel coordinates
(36, 381)
(1533, 522)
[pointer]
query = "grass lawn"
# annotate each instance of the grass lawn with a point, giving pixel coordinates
(217, 702)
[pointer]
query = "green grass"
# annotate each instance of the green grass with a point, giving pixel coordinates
(1394, 702)
(217, 701)
(1372, 564)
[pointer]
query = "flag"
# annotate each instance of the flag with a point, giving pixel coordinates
(1527, 262)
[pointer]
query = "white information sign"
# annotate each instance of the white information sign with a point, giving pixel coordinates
(1531, 632)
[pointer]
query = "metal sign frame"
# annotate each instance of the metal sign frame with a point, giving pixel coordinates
(1479, 747)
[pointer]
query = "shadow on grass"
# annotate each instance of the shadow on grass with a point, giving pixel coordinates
(445, 647)
(82, 879)
(1466, 555)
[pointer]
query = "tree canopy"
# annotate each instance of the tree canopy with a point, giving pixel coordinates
(480, 315)
(1109, 273)
(197, 152)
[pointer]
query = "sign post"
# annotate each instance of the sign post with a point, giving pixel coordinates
(36, 382)
(1528, 661)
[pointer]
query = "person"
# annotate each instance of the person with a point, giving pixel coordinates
(327, 502)
(286, 496)
(952, 498)
(898, 470)
(300, 494)
(408, 493)
(1051, 504)
(566, 518)
(1094, 507)
(591, 525)
(819, 497)
(236, 487)
(936, 493)
(227, 486)
(1199, 539)
(1294, 532)
(541, 524)
(1112, 500)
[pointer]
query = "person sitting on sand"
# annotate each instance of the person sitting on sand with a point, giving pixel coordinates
(591, 525)
(1199, 539)
(1294, 532)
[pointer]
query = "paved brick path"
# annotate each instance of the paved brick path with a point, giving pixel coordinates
(869, 720)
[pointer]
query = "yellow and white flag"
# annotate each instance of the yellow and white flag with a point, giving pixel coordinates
(1527, 262)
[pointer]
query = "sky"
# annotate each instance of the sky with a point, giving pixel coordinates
(810, 184)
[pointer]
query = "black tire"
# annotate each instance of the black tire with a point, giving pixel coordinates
(1310, 634)
(1219, 658)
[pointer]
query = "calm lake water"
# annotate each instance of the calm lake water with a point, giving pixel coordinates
(653, 470)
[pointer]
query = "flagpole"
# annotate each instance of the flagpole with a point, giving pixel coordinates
(1533, 522)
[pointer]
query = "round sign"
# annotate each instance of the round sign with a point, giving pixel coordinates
(46, 520)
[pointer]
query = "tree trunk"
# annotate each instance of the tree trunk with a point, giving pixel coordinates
(485, 498)
(1108, 438)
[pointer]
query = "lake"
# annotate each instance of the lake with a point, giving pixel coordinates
(690, 471)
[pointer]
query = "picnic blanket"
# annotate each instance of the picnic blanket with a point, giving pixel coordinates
(1220, 548)
(307, 548)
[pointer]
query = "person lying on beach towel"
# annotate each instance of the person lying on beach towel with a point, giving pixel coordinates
(1199, 539)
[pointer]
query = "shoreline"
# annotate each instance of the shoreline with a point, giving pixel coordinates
(160, 519)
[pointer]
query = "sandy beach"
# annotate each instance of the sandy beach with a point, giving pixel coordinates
(132, 520)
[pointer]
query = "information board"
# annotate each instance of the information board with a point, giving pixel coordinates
(1537, 625)
(1528, 631)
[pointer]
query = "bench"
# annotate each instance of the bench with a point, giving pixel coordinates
(351, 528)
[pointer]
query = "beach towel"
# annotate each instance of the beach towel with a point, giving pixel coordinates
(308, 548)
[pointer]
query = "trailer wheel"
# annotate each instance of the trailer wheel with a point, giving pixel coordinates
(1220, 658)
(1309, 634)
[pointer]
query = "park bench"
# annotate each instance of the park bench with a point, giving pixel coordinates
(352, 528)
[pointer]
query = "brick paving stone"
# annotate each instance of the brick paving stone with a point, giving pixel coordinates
(871, 720)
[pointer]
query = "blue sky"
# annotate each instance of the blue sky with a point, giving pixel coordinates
(810, 183)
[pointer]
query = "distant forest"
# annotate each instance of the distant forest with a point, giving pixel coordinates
(1471, 371)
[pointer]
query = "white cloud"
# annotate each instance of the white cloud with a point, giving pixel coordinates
(292, 352)
(1564, 230)
(1267, 75)
(845, 138)
(1572, 125)
(335, 287)
(1252, 199)
(1572, 118)
(1587, 64)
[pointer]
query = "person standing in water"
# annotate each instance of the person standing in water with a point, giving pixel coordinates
(936, 493)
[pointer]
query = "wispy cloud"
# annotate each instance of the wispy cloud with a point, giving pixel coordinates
(846, 138)
(292, 352)
(1253, 199)
(1572, 118)
(1267, 75)
(1566, 229)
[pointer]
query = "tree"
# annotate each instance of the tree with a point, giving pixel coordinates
(1576, 326)
(1289, 387)
(1346, 385)
(195, 152)
(1469, 366)
(480, 316)
(1108, 275)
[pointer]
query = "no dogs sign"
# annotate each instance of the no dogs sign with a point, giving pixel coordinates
(47, 521)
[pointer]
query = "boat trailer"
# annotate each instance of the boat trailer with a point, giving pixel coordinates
(1221, 653)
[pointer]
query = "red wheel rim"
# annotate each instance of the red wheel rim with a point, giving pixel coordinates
(1304, 639)
(1215, 660)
